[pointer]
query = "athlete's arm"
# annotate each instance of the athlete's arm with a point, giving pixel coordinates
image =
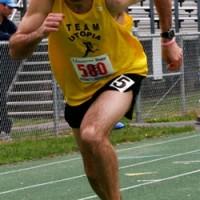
(172, 54)
(36, 25)
(164, 10)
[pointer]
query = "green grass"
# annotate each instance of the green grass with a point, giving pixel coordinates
(30, 121)
(39, 144)
(38, 148)
(174, 118)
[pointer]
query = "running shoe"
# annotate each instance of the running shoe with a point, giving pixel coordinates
(119, 125)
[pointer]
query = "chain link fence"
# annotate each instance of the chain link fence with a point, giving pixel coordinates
(32, 104)
(166, 94)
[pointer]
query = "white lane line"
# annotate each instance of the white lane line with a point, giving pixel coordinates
(159, 143)
(139, 157)
(159, 159)
(41, 184)
(79, 158)
(83, 175)
(162, 180)
(139, 173)
(150, 182)
(39, 166)
(75, 177)
(187, 162)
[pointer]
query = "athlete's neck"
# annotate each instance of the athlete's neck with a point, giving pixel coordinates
(79, 6)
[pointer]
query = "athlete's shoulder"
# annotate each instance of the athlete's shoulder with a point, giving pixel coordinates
(44, 6)
(118, 6)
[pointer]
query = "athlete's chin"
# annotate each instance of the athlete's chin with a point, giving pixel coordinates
(74, 1)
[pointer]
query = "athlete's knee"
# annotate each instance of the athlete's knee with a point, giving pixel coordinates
(91, 137)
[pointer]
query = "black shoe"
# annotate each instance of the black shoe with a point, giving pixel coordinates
(6, 125)
(198, 119)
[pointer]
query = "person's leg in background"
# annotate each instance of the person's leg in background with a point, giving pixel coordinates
(8, 71)
(6, 123)
(198, 118)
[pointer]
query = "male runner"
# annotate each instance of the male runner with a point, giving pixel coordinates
(99, 66)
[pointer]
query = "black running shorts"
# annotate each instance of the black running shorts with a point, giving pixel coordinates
(122, 83)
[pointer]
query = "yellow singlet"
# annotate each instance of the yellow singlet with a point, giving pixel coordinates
(90, 49)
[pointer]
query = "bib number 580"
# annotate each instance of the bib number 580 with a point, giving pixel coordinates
(91, 70)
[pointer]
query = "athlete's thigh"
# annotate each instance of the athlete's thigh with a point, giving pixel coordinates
(107, 109)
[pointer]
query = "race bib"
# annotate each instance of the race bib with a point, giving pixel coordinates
(92, 69)
(122, 83)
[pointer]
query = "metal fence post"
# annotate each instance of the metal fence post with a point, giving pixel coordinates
(182, 81)
(138, 109)
(198, 14)
(55, 107)
(23, 11)
(176, 15)
(198, 17)
(152, 17)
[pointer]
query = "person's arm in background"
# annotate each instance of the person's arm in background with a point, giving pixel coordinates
(36, 25)
(172, 53)
(4, 36)
(8, 28)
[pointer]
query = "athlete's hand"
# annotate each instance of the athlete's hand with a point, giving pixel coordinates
(51, 24)
(172, 54)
